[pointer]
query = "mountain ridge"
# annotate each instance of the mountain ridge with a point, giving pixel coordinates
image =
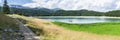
(16, 9)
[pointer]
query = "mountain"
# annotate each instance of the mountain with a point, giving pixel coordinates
(37, 8)
(18, 6)
(44, 9)
(77, 13)
(17, 9)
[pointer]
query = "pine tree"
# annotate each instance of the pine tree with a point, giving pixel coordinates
(5, 8)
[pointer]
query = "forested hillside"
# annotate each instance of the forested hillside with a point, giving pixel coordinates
(48, 12)
(115, 13)
(77, 13)
(30, 12)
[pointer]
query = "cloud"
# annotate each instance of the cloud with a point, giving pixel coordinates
(97, 5)
(0, 1)
(118, 5)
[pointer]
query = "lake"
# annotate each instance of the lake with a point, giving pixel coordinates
(81, 19)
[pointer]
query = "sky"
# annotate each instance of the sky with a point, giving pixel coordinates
(96, 5)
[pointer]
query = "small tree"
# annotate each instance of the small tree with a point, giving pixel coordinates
(5, 8)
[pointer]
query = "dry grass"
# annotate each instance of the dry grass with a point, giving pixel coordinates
(54, 32)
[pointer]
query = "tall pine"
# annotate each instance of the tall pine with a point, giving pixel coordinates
(5, 8)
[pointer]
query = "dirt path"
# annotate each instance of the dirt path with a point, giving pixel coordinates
(29, 35)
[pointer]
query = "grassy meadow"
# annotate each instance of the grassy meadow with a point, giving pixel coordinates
(47, 30)
(96, 28)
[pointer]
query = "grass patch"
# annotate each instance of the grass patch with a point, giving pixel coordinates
(37, 31)
(97, 28)
(7, 22)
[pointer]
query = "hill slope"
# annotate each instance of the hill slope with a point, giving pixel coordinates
(7, 22)
(8, 27)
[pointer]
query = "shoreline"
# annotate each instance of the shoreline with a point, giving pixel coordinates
(58, 32)
(74, 17)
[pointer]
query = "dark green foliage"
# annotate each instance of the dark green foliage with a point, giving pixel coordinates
(77, 13)
(30, 12)
(33, 12)
(5, 8)
(115, 13)
(39, 12)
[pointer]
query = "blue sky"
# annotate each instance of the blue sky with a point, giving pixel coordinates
(96, 5)
(17, 2)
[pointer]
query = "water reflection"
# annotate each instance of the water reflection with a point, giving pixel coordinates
(84, 20)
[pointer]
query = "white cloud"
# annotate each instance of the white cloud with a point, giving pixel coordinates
(0, 1)
(97, 5)
(118, 5)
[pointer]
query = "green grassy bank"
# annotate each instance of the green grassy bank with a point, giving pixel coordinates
(97, 28)
(8, 22)
(8, 27)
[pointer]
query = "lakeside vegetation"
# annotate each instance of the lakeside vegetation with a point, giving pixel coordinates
(37, 26)
(62, 31)
(96, 28)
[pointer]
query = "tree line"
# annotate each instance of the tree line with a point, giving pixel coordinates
(38, 12)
